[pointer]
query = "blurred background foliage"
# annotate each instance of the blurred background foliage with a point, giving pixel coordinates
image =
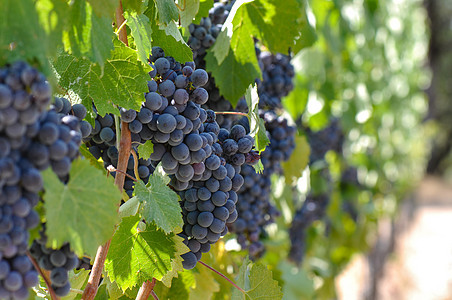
(362, 85)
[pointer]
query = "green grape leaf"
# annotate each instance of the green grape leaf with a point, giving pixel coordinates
(89, 35)
(167, 11)
(170, 40)
(145, 150)
(277, 24)
(308, 34)
(130, 208)
(84, 211)
(141, 31)
(230, 26)
(102, 293)
(180, 287)
(138, 252)
(22, 32)
(297, 283)
(203, 11)
(206, 285)
(257, 125)
(92, 160)
(236, 67)
(258, 283)
(78, 280)
(188, 11)
(133, 5)
(160, 204)
(176, 263)
(104, 8)
(123, 81)
(293, 168)
(53, 18)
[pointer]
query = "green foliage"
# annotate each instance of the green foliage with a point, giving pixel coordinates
(232, 60)
(293, 168)
(78, 280)
(203, 11)
(104, 8)
(89, 35)
(167, 11)
(145, 150)
(188, 11)
(19, 19)
(93, 161)
(258, 283)
(269, 23)
(138, 252)
(141, 31)
(257, 125)
(82, 212)
(159, 203)
(122, 81)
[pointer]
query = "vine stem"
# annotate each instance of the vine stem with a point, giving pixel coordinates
(44, 276)
(154, 295)
(123, 157)
(224, 276)
(146, 290)
(231, 113)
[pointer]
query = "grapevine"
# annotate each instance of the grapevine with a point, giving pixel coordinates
(146, 148)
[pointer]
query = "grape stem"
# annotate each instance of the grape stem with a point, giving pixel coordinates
(44, 276)
(231, 113)
(222, 275)
(113, 169)
(123, 157)
(154, 295)
(146, 289)
(135, 167)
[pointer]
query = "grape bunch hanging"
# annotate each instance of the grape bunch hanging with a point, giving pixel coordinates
(32, 139)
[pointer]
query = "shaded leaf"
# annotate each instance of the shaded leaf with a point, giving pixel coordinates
(89, 35)
(167, 11)
(20, 19)
(104, 8)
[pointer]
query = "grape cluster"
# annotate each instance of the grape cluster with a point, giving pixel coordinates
(204, 35)
(322, 141)
(255, 211)
(282, 141)
(210, 204)
(203, 161)
(102, 144)
(277, 76)
(31, 139)
(314, 208)
(58, 261)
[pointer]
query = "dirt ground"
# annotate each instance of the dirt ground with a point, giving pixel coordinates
(420, 267)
